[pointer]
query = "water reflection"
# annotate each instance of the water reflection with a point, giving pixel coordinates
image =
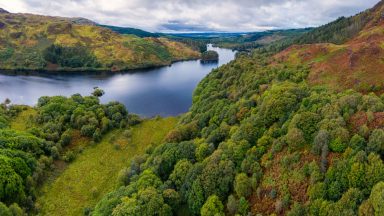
(161, 91)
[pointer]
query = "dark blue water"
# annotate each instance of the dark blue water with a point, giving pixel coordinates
(162, 91)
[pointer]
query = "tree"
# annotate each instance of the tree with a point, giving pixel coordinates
(147, 202)
(366, 208)
(376, 141)
(337, 145)
(295, 138)
(4, 211)
(212, 207)
(196, 198)
(296, 210)
(98, 92)
(377, 198)
(180, 172)
(172, 198)
(243, 208)
(321, 139)
(242, 186)
(232, 205)
(203, 151)
(357, 142)
(15, 210)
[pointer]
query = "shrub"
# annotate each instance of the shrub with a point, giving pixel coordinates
(88, 130)
(97, 135)
(69, 156)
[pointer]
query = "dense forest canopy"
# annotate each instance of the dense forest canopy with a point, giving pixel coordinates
(259, 139)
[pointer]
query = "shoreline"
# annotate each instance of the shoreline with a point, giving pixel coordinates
(79, 71)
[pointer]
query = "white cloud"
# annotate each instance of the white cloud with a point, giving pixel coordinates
(198, 15)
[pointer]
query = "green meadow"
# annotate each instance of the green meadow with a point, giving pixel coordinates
(94, 172)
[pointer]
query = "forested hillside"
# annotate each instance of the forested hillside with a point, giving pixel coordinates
(29, 146)
(263, 138)
(33, 42)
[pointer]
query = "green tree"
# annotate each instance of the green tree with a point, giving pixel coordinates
(296, 210)
(377, 198)
(15, 210)
(357, 142)
(212, 207)
(98, 92)
(376, 141)
(203, 151)
(337, 145)
(180, 172)
(4, 211)
(243, 208)
(243, 185)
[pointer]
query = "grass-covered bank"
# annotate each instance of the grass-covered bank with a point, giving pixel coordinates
(94, 172)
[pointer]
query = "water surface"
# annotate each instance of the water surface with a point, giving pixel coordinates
(161, 91)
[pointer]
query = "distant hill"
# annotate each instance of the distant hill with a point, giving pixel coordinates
(3, 11)
(132, 31)
(242, 41)
(35, 42)
(82, 21)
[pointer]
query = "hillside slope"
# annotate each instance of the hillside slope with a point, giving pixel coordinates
(263, 138)
(35, 42)
(358, 63)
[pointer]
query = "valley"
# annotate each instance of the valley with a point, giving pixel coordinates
(291, 123)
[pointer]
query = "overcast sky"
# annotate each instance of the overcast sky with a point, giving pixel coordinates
(197, 15)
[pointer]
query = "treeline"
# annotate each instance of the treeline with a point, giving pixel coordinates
(132, 31)
(337, 32)
(27, 156)
(255, 134)
(70, 57)
(195, 43)
(209, 56)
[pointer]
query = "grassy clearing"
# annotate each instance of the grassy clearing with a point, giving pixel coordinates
(94, 172)
(23, 121)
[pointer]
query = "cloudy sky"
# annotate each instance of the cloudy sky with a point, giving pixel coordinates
(197, 15)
